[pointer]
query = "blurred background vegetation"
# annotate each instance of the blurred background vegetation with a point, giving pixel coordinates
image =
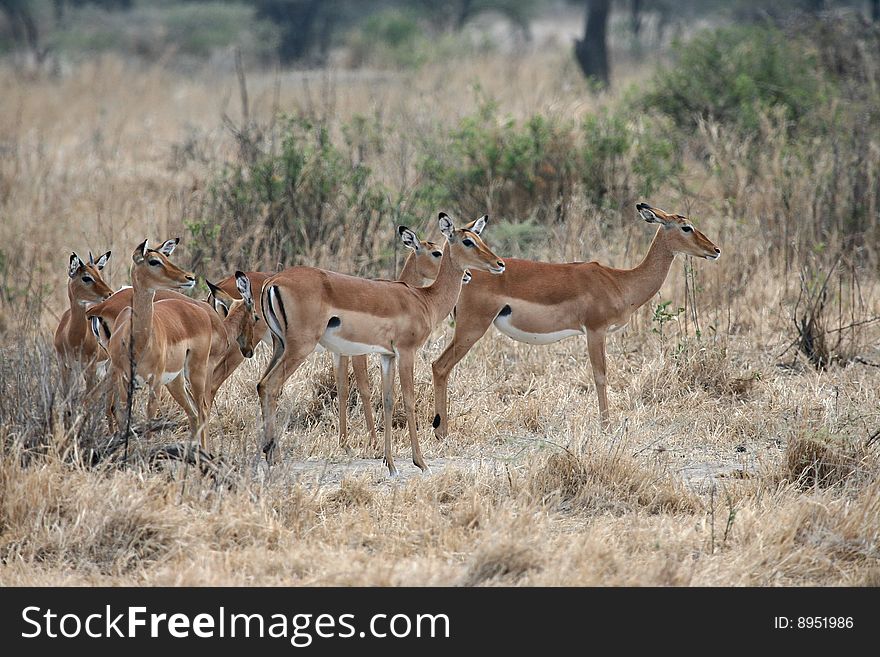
(551, 115)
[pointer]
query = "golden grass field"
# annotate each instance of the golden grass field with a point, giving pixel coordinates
(708, 475)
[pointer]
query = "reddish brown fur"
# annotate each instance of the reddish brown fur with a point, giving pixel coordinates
(391, 317)
(74, 341)
(545, 298)
(172, 337)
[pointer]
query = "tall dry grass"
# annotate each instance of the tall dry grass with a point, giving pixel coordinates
(730, 461)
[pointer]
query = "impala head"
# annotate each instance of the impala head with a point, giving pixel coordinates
(467, 249)
(680, 233)
(423, 263)
(154, 271)
(240, 317)
(86, 285)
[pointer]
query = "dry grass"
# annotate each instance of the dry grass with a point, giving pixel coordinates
(724, 464)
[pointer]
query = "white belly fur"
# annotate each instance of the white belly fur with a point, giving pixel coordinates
(503, 324)
(331, 341)
(168, 377)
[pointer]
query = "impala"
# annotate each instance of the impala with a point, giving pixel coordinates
(242, 332)
(234, 337)
(74, 341)
(419, 269)
(229, 287)
(541, 302)
(163, 343)
(351, 316)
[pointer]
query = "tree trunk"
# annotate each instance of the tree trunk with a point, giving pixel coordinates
(635, 18)
(463, 14)
(297, 21)
(592, 51)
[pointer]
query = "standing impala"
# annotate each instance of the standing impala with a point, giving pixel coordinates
(241, 323)
(419, 269)
(74, 341)
(541, 302)
(234, 337)
(163, 343)
(351, 316)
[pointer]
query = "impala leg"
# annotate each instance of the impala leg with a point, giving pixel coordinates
(340, 365)
(199, 390)
(177, 389)
(269, 398)
(119, 405)
(467, 333)
(362, 380)
(596, 348)
(271, 385)
(388, 407)
(407, 388)
(152, 408)
(112, 402)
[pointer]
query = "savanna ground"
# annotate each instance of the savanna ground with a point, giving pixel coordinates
(737, 455)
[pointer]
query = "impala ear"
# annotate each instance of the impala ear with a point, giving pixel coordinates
(409, 238)
(140, 252)
(647, 213)
(102, 261)
(478, 225)
(168, 246)
(221, 301)
(75, 264)
(446, 225)
(466, 277)
(243, 283)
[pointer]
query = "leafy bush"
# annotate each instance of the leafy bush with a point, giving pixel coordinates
(733, 75)
(389, 38)
(290, 194)
(195, 29)
(623, 157)
(492, 164)
(531, 170)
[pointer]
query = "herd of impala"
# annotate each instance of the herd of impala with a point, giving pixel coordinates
(151, 335)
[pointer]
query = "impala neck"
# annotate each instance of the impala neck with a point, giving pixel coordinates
(645, 280)
(442, 294)
(76, 327)
(408, 274)
(141, 316)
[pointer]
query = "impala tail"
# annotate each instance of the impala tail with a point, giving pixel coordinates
(274, 311)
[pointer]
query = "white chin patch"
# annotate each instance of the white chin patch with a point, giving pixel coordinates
(713, 257)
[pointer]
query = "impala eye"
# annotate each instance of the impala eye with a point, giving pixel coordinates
(687, 229)
(88, 279)
(436, 254)
(155, 263)
(468, 242)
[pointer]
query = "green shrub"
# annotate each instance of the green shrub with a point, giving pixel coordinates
(492, 164)
(390, 38)
(531, 170)
(733, 75)
(289, 195)
(622, 157)
(195, 29)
